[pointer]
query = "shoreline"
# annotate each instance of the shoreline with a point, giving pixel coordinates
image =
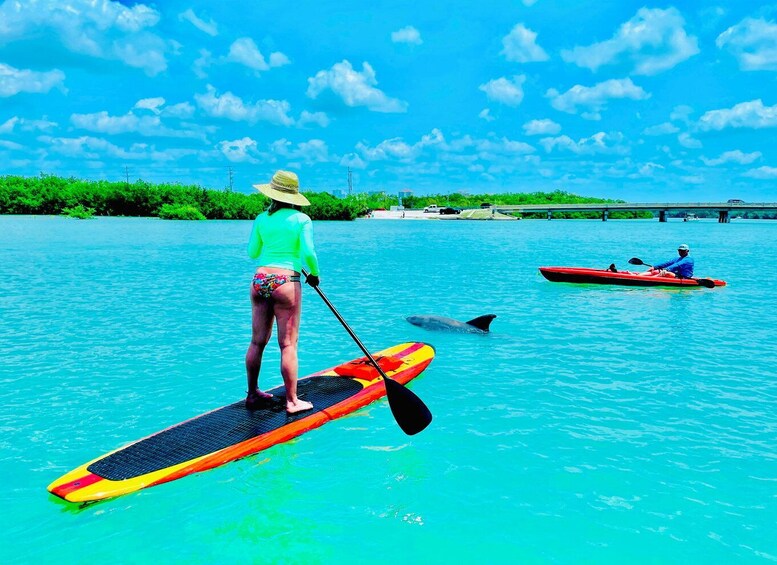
(470, 214)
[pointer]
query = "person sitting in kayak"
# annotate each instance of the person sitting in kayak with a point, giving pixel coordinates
(681, 267)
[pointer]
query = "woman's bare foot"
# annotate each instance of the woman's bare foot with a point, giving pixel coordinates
(299, 406)
(256, 399)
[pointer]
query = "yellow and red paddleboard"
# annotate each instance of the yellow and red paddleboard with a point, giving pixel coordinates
(232, 432)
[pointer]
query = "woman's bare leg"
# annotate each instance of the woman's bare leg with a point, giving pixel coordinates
(261, 330)
(287, 305)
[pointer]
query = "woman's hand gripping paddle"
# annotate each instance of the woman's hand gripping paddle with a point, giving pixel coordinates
(409, 411)
(707, 283)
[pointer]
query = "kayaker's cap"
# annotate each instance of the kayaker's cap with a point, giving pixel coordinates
(684, 247)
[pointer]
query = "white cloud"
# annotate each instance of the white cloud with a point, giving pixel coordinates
(102, 122)
(389, 149)
(485, 114)
(487, 148)
(13, 81)
(354, 88)
(233, 108)
(151, 126)
(353, 160)
(603, 143)
(397, 149)
(151, 104)
(504, 90)
(647, 170)
(9, 124)
(36, 125)
(541, 127)
(654, 40)
(502, 153)
(87, 147)
(681, 113)
(318, 118)
(686, 140)
(520, 46)
(244, 51)
(595, 97)
(735, 156)
(181, 110)
(407, 34)
(208, 27)
(278, 59)
(11, 145)
(752, 114)
(308, 152)
(96, 28)
(692, 179)
(661, 129)
(753, 42)
(201, 63)
(239, 150)
(762, 173)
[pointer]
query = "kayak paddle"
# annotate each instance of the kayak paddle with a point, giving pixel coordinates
(708, 283)
(409, 411)
(638, 261)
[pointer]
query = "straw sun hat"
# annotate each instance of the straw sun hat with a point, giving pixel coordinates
(284, 187)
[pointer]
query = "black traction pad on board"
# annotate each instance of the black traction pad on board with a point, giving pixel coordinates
(221, 428)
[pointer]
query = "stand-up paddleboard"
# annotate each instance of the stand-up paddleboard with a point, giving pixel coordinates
(233, 431)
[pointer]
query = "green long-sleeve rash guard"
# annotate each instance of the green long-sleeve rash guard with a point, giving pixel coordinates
(284, 240)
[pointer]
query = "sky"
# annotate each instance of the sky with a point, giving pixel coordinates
(645, 102)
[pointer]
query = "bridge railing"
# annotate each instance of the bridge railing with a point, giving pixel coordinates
(655, 206)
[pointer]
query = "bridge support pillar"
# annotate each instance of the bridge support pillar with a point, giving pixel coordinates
(662, 215)
(723, 217)
(550, 215)
(604, 215)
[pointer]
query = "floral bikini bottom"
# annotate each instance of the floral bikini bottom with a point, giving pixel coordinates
(265, 283)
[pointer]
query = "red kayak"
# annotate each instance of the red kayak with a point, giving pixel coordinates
(603, 276)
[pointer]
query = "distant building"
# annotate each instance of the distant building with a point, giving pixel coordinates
(404, 193)
(337, 193)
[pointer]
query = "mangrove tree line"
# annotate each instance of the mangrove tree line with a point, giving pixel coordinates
(49, 194)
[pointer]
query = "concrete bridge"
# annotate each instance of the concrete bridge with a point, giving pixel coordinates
(723, 209)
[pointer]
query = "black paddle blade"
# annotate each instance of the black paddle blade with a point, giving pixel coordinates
(708, 283)
(409, 411)
(636, 261)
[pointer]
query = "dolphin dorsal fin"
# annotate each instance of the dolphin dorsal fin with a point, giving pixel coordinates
(482, 322)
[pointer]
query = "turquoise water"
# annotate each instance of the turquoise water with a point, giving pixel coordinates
(594, 424)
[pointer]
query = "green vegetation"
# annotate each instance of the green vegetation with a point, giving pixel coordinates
(458, 200)
(78, 211)
(56, 195)
(180, 212)
(49, 194)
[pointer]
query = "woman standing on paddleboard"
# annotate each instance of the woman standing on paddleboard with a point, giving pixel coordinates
(282, 240)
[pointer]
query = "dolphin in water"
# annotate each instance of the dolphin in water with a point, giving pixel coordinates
(479, 325)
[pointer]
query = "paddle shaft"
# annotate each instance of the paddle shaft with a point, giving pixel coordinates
(409, 411)
(347, 328)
